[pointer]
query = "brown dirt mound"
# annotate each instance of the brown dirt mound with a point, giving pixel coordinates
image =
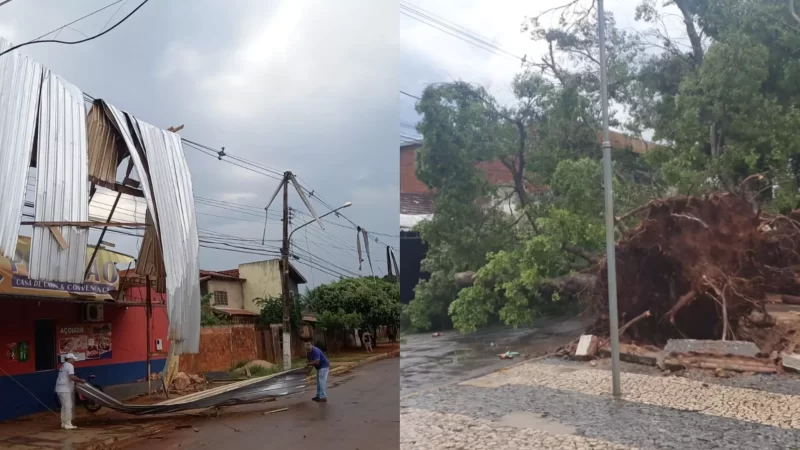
(700, 266)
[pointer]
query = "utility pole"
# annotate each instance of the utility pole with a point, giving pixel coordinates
(284, 269)
(611, 260)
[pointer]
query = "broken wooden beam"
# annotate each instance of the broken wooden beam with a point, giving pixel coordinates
(633, 354)
(712, 362)
(59, 237)
(82, 224)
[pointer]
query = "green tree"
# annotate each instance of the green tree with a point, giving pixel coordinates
(548, 138)
(272, 311)
(209, 317)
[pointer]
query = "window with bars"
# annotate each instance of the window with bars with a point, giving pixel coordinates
(221, 298)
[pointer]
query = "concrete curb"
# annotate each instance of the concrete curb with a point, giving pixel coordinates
(344, 369)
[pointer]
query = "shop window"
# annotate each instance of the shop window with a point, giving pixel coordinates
(221, 298)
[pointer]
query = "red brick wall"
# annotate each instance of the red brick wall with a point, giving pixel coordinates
(495, 171)
(221, 347)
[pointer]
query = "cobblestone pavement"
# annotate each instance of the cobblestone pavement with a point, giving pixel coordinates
(656, 412)
(429, 430)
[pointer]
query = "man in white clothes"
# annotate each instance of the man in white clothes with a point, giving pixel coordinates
(65, 389)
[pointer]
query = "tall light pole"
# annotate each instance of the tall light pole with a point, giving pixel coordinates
(287, 295)
(611, 262)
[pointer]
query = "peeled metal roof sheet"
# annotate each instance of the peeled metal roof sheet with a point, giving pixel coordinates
(20, 81)
(167, 185)
(248, 391)
(62, 191)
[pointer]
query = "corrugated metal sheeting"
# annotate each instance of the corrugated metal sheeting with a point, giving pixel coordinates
(20, 81)
(29, 93)
(167, 185)
(62, 186)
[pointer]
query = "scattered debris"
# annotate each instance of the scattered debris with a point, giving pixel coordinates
(790, 361)
(275, 411)
(181, 382)
(647, 355)
(508, 355)
(721, 373)
(436, 334)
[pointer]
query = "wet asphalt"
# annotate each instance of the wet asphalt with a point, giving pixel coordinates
(362, 412)
(428, 362)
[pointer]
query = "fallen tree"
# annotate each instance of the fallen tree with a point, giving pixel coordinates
(700, 266)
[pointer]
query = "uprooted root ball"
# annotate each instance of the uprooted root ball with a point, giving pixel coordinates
(700, 266)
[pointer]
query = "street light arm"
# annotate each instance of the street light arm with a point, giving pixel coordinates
(320, 218)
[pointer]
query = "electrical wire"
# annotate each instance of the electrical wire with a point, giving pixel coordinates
(78, 20)
(453, 30)
(53, 41)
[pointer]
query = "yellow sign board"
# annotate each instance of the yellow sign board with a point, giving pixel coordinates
(103, 276)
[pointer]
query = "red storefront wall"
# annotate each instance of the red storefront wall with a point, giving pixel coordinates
(128, 349)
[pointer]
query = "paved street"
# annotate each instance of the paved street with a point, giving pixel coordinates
(362, 413)
(428, 362)
(549, 404)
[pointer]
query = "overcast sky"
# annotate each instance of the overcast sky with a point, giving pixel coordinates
(301, 85)
(428, 55)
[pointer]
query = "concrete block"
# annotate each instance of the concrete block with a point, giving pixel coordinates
(587, 347)
(790, 361)
(738, 348)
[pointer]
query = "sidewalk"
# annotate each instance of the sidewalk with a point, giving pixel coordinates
(549, 404)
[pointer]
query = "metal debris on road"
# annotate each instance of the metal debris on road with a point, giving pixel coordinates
(248, 391)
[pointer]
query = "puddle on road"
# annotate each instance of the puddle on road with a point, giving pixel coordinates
(524, 419)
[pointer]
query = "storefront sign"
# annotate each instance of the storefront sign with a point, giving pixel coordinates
(86, 342)
(103, 276)
(11, 352)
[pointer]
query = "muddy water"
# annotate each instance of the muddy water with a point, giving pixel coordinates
(427, 362)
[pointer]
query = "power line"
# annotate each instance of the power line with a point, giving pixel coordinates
(455, 30)
(112, 15)
(78, 20)
(82, 40)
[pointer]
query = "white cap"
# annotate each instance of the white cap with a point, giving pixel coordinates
(69, 356)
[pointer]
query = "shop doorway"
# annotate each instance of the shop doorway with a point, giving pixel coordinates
(44, 344)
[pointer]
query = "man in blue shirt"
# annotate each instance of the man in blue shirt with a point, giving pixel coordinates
(318, 360)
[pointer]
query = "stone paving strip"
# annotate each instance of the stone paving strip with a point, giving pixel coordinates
(764, 408)
(429, 430)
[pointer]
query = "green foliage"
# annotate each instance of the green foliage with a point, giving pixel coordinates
(208, 317)
(272, 311)
(357, 303)
(722, 101)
